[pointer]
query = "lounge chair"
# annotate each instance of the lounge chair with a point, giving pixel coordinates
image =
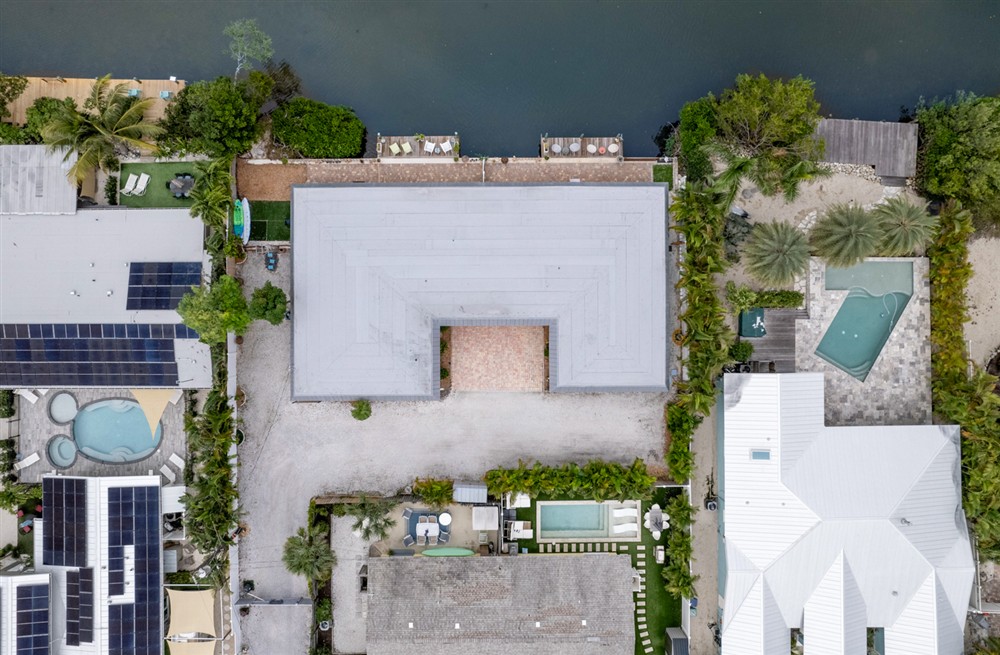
(408, 540)
(41, 392)
(176, 461)
(165, 95)
(630, 512)
(27, 395)
(625, 528)
(140, 187)
(134, 93)
(168, 474)
(446, 146)
(432, 540)
(27, 461)
(421, 540)
(394, 148)
(129, 187)
(429, 147)
(407, 513)
(407, 148)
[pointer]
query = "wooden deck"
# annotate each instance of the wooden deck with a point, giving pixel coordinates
(778, 345)
(890, 147)
(587, 147)
(417, 147)
(79, 89)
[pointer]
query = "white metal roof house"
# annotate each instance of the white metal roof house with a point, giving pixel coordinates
(88, 298)
(378, 269)
(834, 530)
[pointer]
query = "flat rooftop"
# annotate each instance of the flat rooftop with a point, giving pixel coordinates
(33, 181)
(379, 269)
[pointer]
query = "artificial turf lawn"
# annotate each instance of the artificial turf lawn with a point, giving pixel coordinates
(267, 220)
(662, 609)
(157, 195)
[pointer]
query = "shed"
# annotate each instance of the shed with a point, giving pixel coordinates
(676, 642)
(472, 493)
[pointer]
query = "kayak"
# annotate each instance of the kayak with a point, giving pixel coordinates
(246, 221)
(238, 227)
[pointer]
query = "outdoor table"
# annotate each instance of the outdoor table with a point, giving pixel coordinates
(182, 185)
(428, 529)
(574, 147)
(613, 148)
(444, 519)
(556, 148)
(591, 148)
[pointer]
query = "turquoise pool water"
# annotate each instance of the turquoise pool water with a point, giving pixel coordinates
(572, 520)
(877, 295)
(114, 431)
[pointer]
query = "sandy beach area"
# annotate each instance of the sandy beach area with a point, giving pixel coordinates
(983, 328)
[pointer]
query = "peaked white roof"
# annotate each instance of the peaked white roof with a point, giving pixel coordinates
(842, 528)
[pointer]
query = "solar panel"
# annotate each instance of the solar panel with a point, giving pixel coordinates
(90, 354)
(79, 607)
(33, 620)
(64, 540)
(134, 520)
(160, 285)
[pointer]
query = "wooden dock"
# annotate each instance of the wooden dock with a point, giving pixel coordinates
(417, 146)
(79, 89)
(778, 345)
(890, 147)
(582, 147)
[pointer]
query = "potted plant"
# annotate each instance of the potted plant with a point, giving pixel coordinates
(234, 249)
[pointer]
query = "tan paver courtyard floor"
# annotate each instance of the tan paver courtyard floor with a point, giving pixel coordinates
(508, 358)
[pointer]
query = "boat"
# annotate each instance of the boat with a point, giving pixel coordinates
(246, 221)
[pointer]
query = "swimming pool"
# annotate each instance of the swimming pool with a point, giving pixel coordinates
(113, 431)
(877, 295)
(583, 520)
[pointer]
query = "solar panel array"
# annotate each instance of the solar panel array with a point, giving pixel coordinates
(134, 520)
(160, 285)
(64, 539)
(90, 354)
(79, 607)
(33, 620)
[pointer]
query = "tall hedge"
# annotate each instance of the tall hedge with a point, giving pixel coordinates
(318, 130)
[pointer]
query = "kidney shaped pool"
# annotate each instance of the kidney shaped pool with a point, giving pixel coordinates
(114, 431)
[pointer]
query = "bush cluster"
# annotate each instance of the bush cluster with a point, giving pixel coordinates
(596, 480)
(318, 130)
(969, 401)
(435, 493)
(361, 409)
(6, 403)
(741, 351)
(677, 577)
(742, 298)
(697, 129)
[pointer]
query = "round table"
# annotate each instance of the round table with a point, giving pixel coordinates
(444, 518)
(613, 148)
(556, 148)
(591, 148)
(574, 147)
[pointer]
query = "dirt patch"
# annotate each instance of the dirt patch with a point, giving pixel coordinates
(268, 181)
(983, 328)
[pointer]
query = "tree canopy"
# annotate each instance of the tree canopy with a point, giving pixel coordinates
(268, 303)
(218, 117)
(959, 155)
(315, 129)
(11, 88)
(247, 43)
(42, 112)
(214, 311)
(307, 553)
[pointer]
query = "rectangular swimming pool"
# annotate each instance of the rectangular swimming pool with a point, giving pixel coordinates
(578, 520)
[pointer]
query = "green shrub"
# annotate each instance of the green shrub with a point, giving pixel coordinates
(6, 403)
(361, 409)
(317, 130)
(12, 135)
(741, 351)
(596, 480)
(436, 494)
(324, 610)
(111, 190)
(698, 127)
(445, 373)
(742, 298)
(269, 303)
(735, 232)
(213, 312)
(41, 112)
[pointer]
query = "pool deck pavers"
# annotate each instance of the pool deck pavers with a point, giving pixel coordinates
(897, 390)
(37, 428)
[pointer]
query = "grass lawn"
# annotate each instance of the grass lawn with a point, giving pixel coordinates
(267, 220)
(157, 195)
(664, 173)
(662, 610)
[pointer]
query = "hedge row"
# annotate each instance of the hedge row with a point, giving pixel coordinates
(596, 480)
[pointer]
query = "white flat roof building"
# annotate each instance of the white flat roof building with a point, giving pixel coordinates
(33, 181)
(833, 530)
(379, 269)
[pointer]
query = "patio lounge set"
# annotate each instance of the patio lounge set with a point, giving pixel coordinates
(135, 185)
(426, 529)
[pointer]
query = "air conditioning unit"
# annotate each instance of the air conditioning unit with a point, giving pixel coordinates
(711, 504)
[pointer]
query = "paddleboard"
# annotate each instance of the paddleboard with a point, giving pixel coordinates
(246, 221)
(238, 228)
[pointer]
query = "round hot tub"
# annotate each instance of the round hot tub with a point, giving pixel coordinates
(63, 408)
(61, 451)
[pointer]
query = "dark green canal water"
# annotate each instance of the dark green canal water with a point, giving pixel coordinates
(501, 73)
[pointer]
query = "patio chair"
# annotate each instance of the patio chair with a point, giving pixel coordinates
(140, 187)
(625, 528)
(421, 540)
(630, 512)
(429, 146)
(432, 540)
(129, 187)
(134, 93)
(394, 149)
(407, 513)
(176, 461)
(165, 95)
(168, 474)
(407, 148)
(408, 540)
(422, 518)
(432, 519)
(443, 538)
(446, 146)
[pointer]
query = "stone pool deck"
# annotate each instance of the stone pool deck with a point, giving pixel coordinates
(37, 428)
(897, 390)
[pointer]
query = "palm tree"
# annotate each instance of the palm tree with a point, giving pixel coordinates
(907, 227)
(845, 235)
(109, 124)
(307, 553)
(371, 518)
(776, 253)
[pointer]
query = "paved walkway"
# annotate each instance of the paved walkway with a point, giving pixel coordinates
(706, 541)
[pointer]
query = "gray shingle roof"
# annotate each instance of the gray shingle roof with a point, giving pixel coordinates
(496, 601)
(33, 181)
(378, 269)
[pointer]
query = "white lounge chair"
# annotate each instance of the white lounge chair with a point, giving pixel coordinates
(27, 461)
(177, 461)
(407, 148)
(168, 474)
(625, 528)
(429, 146)
(129, 187)
(446, 146)
(27, 395)
(394, 148)
(140, 187)
(41, 392)
(623, 512)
